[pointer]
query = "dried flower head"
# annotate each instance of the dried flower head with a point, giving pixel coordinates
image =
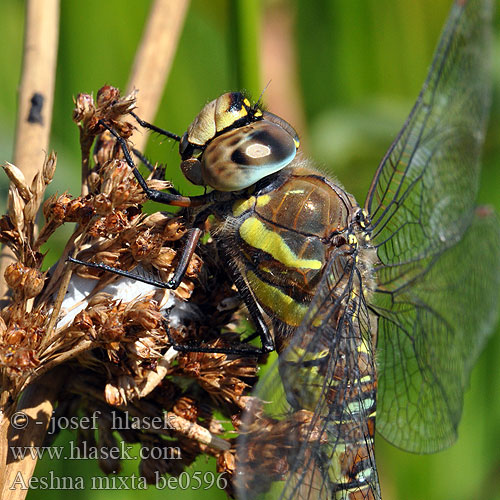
(115, 334)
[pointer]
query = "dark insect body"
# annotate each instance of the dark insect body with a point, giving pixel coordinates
(328, 283)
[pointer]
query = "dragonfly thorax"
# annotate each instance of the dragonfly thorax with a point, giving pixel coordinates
(280, 237)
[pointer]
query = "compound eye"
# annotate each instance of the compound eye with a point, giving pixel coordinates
(184, 146)
(239, 158)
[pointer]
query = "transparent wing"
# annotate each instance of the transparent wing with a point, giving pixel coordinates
(314, 437)
(438, 276)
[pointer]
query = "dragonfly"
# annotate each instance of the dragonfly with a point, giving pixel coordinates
(391, 338)
(377, 312)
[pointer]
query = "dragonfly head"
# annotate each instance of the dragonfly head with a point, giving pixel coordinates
(231, 145)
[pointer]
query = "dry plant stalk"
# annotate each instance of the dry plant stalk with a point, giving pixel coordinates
(36, 94)
(116, 349)
(154, 58)
(34, 118)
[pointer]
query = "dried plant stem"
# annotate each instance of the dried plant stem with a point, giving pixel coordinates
(37, 404)
(61, 277)
(38, 77)
(36, 93)
(83, 346)
(31, 144)
(280, 67)
(154, 58)
(154, 377)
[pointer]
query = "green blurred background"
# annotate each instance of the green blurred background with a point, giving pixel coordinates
(346, 73)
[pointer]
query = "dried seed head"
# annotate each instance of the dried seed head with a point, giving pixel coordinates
(121, 351)
(174, 229)
(15, 336)
(163, 260)
(113, 395)
(143, 313)
(14, 275)
(3, 327)
(24, 279)
(102, 204)
(186, 408)
(15, 209)
(105, 149)
(226, 467)
(194, 267)
(34, 283)
(112, 329)
(84, 108)
(146, 246)
(55, 208)
(49, 168)
(93, 181)
(107, 95)
(18, 179)
(83, 321)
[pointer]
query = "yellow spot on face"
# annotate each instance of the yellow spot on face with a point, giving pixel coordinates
(286, 309)
(246, 102)
(263, 200)
(258, 113)
(257, 235)
(297, 143)
(225, 120)
(241, 206)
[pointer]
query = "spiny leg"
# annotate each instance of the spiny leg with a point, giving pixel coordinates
(152, 194)
(159, 173)
(186, 256)
(156, 129)
(250, 350)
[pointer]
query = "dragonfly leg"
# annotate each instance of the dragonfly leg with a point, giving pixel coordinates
(187, 253)
(143, 160)
(261, 327)
(156, 129)
(249, 350)
(153, 194)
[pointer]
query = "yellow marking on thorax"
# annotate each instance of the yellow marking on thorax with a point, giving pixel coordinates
(263, 200)
(362, 347)
(253, 232)
(241, 206)
(286, 309)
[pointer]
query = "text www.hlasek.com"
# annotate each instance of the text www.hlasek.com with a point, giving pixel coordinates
(122, 451)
